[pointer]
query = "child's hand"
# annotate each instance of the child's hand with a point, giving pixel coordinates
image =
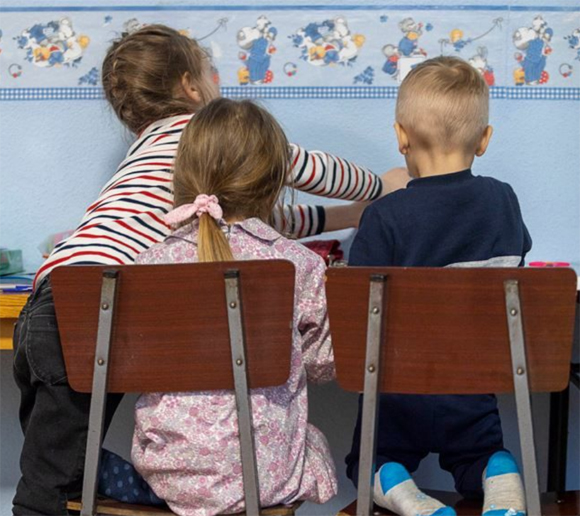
(343, 216)
(395, 179)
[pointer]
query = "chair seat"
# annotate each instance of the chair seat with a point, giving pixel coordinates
(568, 505)
(114, 508)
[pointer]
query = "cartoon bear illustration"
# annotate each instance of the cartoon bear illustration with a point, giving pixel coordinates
(257, 45)
(412, 31)
(533, 44)
(407, 48)
(574, 42)
(330, 42)
(52, 44)
(480, 63)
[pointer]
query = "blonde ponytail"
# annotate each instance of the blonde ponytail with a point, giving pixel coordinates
(235, 152)
(212, 244)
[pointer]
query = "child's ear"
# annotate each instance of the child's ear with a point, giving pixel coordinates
(189, 90)
(484, 142)
(402, 138)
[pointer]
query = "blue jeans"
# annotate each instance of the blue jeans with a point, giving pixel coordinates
(465, 430)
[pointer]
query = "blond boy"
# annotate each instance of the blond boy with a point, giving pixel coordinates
(445, 217)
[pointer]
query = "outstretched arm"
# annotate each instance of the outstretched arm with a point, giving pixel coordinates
(299, 221)
(323, 174)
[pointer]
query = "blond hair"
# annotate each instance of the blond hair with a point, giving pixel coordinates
(236, 151)
(142, 74)
(444, 104)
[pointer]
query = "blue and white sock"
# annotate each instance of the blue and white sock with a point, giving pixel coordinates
(396, 491)
(502, 487)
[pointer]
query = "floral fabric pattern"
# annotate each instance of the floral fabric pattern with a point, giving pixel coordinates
(186, 445)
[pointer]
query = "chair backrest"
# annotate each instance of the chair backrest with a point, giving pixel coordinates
(170, 327)
(451, 331)
(446, 331)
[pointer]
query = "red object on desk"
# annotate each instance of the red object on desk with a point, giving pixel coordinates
(329, 250)
(549, 264)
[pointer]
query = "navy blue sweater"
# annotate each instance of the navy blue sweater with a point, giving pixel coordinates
(453, 219)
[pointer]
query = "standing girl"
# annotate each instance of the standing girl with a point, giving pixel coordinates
(155, 79)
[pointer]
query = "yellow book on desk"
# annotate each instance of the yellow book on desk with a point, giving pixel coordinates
(10, 308)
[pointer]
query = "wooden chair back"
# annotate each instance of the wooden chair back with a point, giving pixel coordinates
(168, 328)
(445, 330)
(451, 331)
(171, 328)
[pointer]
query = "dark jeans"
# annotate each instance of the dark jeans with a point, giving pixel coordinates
(54, 418)
(465, 430)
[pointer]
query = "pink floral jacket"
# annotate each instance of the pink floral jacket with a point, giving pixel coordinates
(186, 444)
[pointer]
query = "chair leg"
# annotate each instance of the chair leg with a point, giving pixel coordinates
(99, 393)
(243, 402)
(522, 395)
(558, 447)
(371, 389)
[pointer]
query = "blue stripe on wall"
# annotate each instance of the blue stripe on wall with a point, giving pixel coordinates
(302, 92)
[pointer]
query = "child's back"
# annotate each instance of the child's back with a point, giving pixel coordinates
(454, 219)
(445, 217)
(186, 445)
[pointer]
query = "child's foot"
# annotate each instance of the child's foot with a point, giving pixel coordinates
(118, 479)
(396, 491)
(502, 487)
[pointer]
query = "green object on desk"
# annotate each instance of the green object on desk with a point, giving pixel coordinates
(10, 261)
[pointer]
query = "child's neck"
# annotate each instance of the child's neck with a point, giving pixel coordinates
(233, 220)
(435, 163)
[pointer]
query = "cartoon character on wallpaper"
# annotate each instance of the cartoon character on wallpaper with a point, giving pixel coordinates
(408, 46)
(480, 63)
(533, 44)
(458, 40)
(574, 42)
(392, 63)
(130, 26)
(257, 49)
(330, 42)
(53, 44)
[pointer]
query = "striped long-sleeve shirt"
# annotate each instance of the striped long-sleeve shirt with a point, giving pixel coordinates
(127, 217)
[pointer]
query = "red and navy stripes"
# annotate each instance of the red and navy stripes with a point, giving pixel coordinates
(320, 173)
(127, 217)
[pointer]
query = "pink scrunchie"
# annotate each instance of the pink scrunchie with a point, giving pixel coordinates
(202, 204)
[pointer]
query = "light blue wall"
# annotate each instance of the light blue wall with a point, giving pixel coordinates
(55, 156)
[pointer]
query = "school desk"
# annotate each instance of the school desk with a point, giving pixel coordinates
(10, 307)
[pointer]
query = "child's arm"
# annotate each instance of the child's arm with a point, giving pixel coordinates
(320, 173)
(299, 221)
(302, 220)
(317, 355)
(346, 216)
